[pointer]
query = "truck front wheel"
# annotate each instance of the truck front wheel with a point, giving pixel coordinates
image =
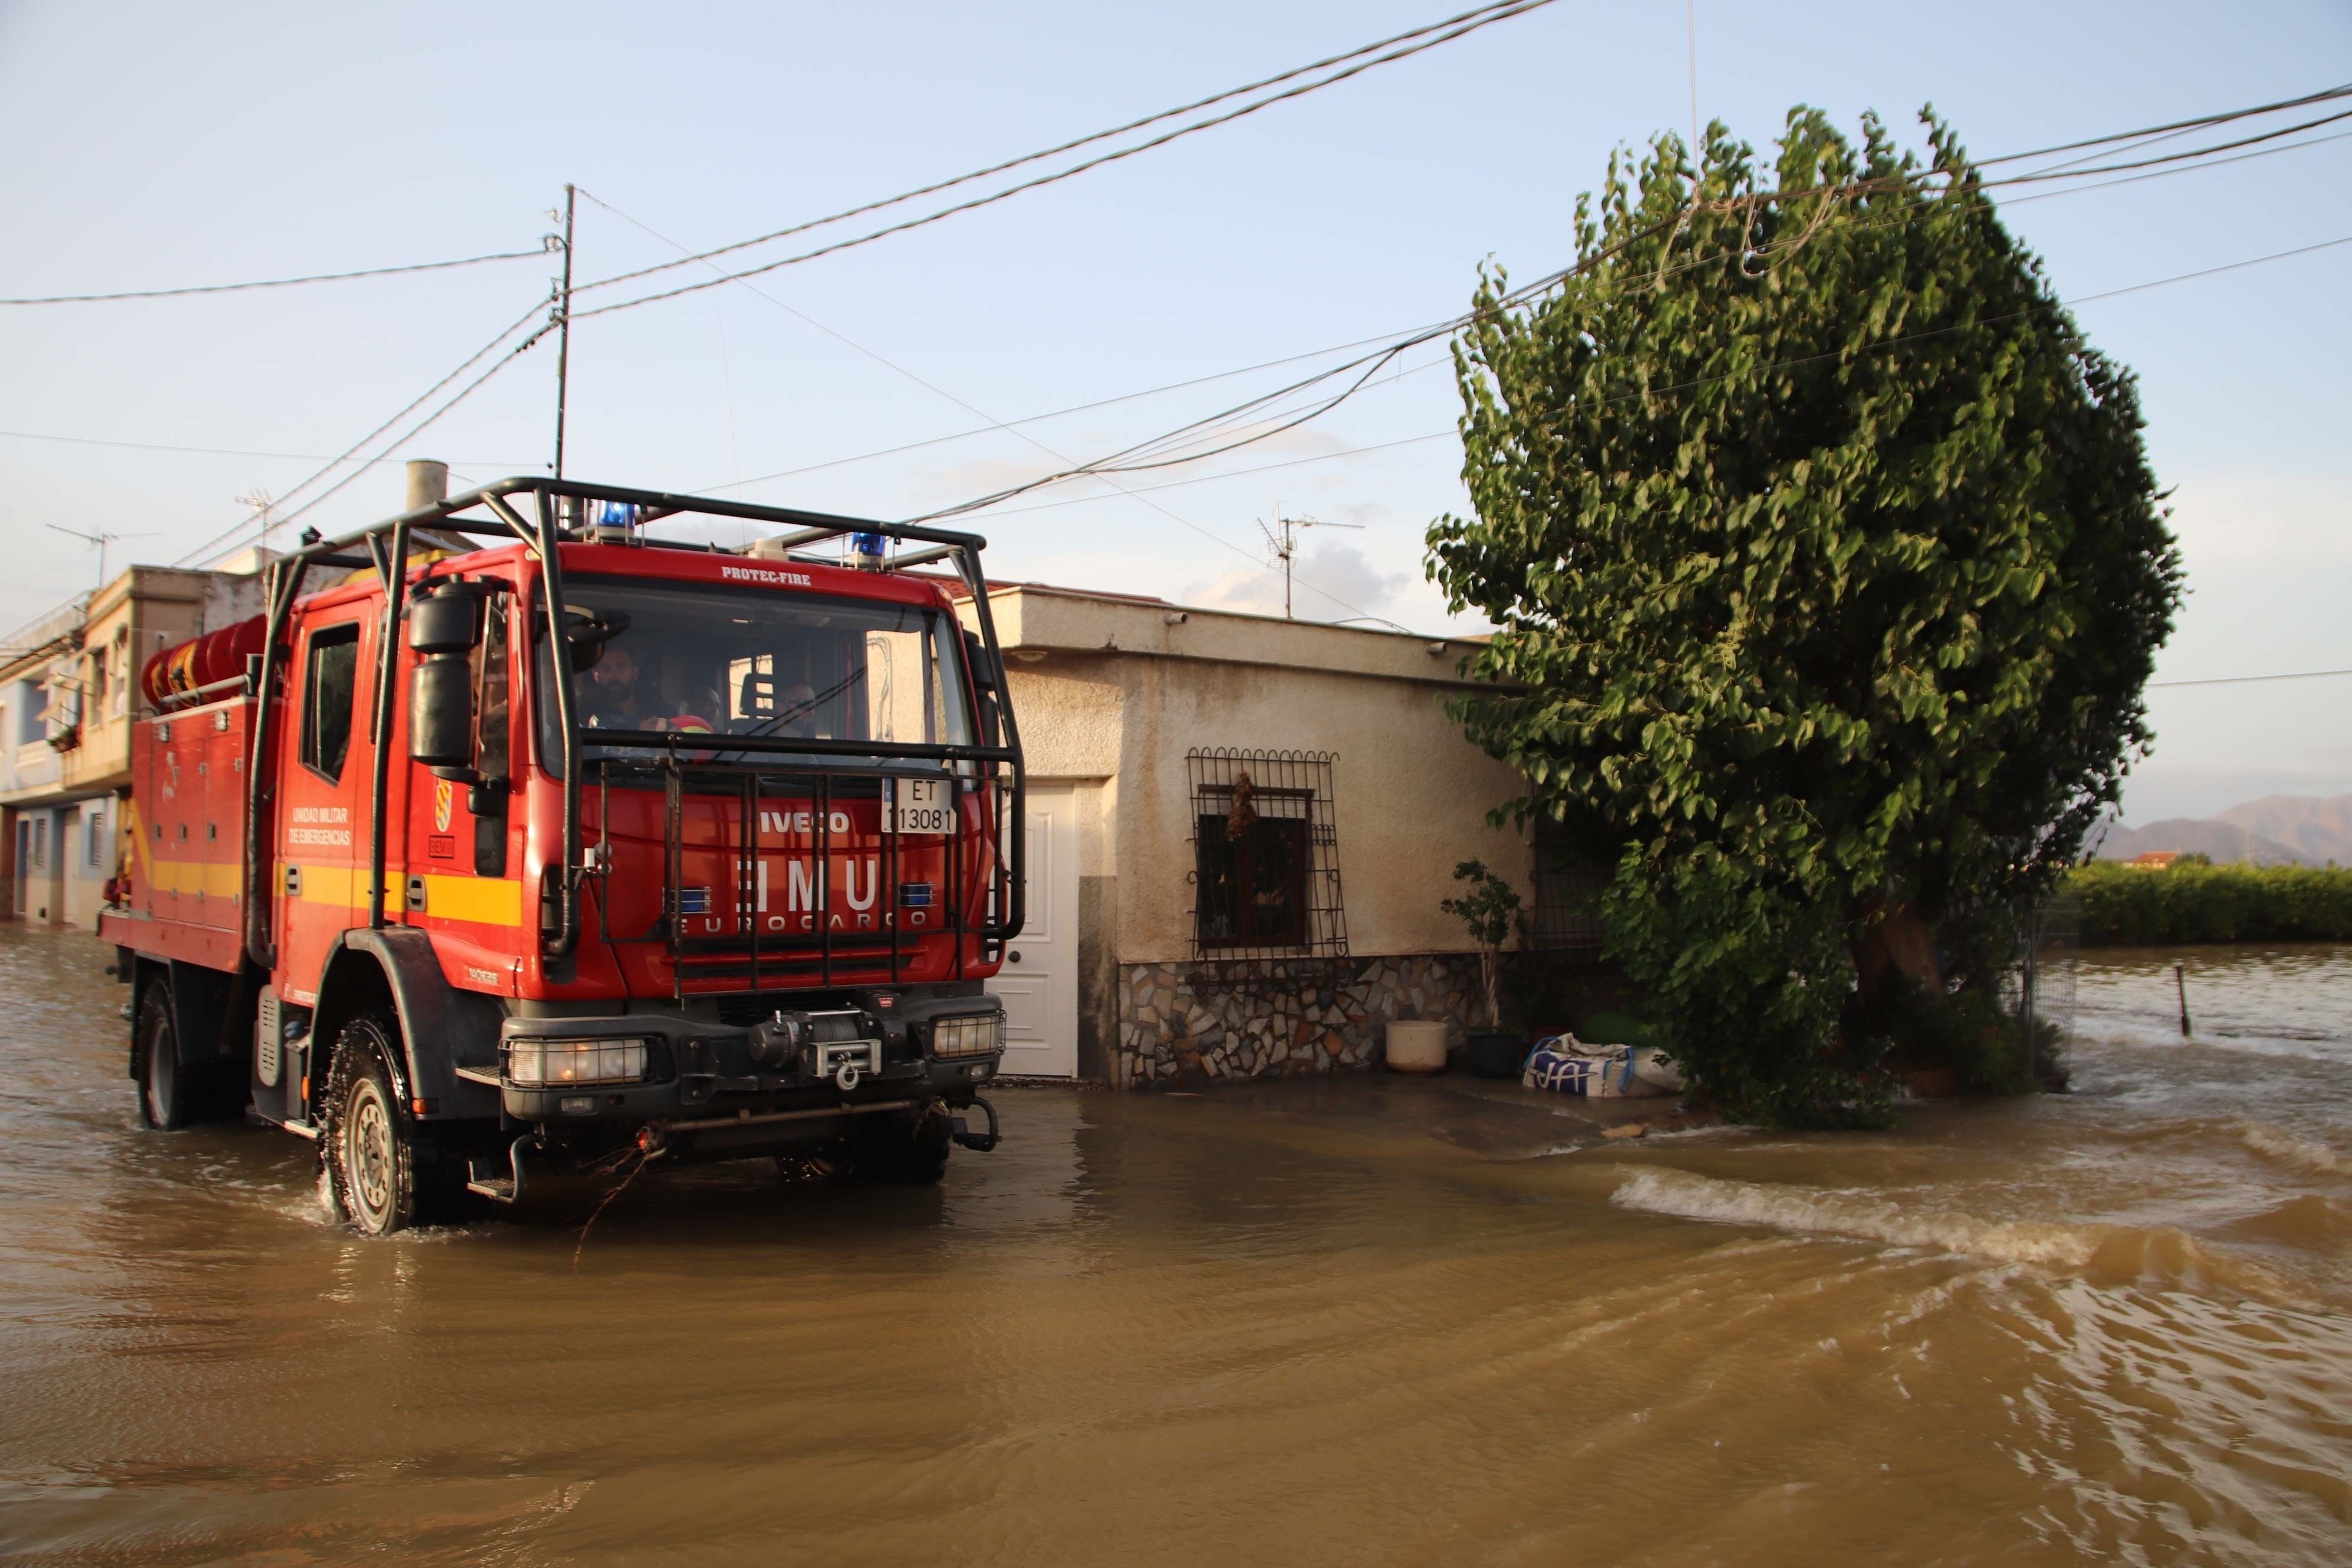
(163, 1101)
(910, 1149)
(379, 1163)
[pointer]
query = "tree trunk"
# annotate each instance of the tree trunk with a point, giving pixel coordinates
(1893, 940)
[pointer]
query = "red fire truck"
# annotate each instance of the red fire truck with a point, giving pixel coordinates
(512, 834)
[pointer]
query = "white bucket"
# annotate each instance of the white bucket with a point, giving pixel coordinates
(1417, 1048)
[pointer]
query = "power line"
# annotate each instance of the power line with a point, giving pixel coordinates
(1055, 151)
(2247, 679)
(345, 456)
(272, 282)
(1361, 343)
(941, 391)
(420, 426)
(1482, 20)
(201, 451)
(986, 505)
(2167, 173)
(2165, 157)
(2283, 103)
(1519, 8)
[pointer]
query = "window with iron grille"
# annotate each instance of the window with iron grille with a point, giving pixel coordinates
(1265, 855)
(1565, 916)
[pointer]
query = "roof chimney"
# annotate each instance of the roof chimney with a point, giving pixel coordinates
(428, 483)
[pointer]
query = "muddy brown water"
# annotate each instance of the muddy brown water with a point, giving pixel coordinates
(1361, 1321)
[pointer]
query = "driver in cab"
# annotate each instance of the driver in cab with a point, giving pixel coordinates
(623, 698)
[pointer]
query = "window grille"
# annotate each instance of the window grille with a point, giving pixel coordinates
(94, 824)
(1565, 917)
(1265, 855)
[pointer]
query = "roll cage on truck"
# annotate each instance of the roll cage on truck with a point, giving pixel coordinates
(575, 844)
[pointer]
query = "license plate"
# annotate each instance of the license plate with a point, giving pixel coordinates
(921, 806)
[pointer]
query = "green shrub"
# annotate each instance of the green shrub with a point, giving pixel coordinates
(2125, 906)
(1968, 1031)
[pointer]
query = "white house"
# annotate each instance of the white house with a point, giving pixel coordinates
(1240, 828)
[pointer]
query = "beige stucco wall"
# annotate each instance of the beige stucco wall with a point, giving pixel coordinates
(1109, 689)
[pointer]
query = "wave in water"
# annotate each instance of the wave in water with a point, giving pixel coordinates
(2277, 1143)
(2157, 1256)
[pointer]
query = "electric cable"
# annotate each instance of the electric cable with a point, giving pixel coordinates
(2167, 173)
(470, 360)
(1121, 460)
(416, 429)
(2246, 680)
(940, 391)
(199, 451)
(1519, 8)
(2165, 158)
(1691, 386)
(2321, 97)
(1027, 158)
(272, 282)
(1049, 415)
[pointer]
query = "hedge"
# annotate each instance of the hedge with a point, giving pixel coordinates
(2127, 907)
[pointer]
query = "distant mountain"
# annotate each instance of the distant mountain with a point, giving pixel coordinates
(2318, 828)
(2222, 841)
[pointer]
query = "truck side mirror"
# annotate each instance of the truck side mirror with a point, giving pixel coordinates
(983, 681)
(444, 623)
(441, 712)
(443, 628)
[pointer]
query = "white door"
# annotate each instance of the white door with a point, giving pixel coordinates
(1039, 981)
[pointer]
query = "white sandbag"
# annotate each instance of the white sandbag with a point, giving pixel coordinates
(1653, 1066)
(1565, 1065)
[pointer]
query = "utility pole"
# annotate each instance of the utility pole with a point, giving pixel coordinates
(1282, 539)
(563, 328)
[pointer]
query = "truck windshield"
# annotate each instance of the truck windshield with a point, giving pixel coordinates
(720, 660)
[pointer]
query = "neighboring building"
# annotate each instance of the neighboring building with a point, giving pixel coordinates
(68, 690)
(2156, 859)
(1183, 923)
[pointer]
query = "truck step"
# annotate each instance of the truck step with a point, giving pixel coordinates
(499, 1181)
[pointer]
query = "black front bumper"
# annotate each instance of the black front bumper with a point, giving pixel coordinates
(699, 1072)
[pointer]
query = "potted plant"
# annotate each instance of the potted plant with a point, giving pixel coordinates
(1488, 908)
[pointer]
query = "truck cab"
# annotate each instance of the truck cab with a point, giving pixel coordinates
(581, 849)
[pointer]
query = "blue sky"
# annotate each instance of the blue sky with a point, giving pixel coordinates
(157, 145)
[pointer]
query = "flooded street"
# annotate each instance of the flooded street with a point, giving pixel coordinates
(1371, 1320)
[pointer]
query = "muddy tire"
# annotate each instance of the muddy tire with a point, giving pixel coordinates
(382, 1167)
(911, 1151)
(164, 1101)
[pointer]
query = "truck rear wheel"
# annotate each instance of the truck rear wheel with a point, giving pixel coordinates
(381, 1164)
(163, 1096)
(911, 1150)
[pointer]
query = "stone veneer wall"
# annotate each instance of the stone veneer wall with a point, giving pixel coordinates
(1277, 1018)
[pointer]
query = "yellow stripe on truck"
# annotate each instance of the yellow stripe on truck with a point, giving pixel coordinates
(212, 879)
(484, 900)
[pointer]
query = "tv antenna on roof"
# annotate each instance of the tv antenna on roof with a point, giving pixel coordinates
(261, 502)
(1282, 539)
(100, 539)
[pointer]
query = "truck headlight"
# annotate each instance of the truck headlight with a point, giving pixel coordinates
(968, 1035)
(556, 1064)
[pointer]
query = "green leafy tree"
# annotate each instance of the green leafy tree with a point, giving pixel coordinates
(1828, 569)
